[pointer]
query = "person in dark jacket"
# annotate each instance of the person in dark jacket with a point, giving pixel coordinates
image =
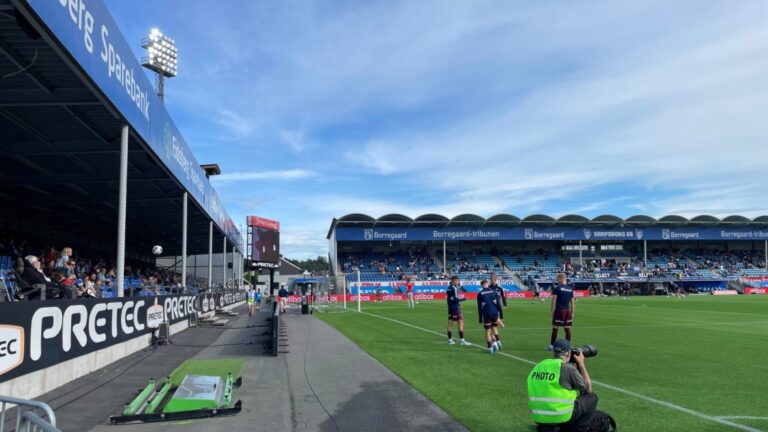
(33, 275)
(488, 310)
(454, 310)
(282, 298)
(494, 285)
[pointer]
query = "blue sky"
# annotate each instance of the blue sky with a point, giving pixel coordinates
(316, 109)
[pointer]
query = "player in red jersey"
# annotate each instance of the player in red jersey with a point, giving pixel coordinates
(409, 293)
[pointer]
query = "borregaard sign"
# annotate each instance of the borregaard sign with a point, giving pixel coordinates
(548, 233)
(11, 347)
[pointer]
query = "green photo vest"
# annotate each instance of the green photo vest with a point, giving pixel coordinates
(548, 402)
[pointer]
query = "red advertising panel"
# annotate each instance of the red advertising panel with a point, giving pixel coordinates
(763, 291)
(427, 296)
(260, 222)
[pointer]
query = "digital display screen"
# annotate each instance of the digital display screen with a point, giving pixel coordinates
(266, 245)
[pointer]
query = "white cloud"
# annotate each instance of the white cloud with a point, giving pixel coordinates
(296, 140)
(463, 107)
(239, 125)
(303, 243)
(292, 174)
(660, 121)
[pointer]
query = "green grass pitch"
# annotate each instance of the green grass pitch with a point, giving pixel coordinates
(666, 364)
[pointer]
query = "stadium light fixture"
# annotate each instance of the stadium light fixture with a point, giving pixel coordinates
(162, 58)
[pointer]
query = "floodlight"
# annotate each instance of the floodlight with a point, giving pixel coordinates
(162, 57)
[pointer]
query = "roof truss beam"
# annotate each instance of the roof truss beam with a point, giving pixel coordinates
(40, 98)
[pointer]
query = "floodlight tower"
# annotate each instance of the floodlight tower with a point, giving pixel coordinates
(162, 58)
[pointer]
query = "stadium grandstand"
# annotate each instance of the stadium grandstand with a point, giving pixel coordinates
(97, 185)
(92, 162)
(639, 254)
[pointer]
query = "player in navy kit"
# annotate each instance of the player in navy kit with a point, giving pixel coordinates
(562, 309)
(494, 285)
(454, 310)
(488, 311)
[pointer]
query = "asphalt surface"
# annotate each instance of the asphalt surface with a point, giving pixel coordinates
(320, 381)
(336, 386)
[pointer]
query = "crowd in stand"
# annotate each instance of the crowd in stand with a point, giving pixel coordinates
(473, 263)
(65, 275)
(416, 264)
(542, 264)
(672, 263)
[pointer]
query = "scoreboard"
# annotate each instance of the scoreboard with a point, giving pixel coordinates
(263, 242)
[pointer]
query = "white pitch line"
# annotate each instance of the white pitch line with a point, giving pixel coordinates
(708, 324)
(673, 309)
(743, 417)
(666, 404)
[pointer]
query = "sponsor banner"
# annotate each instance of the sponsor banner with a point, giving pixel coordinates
(260, 222)
(725, 292)
(155, 316)
(437, 296)
(748, 279)
(39, 334)
(547, 234)
(90, 35)
(296, 299)
(398, 287)
(576, 294)
(761, 291)
(208, 302)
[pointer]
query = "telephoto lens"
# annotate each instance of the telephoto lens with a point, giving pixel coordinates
(586, 350)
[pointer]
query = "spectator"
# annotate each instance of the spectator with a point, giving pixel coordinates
(62, 263)
(33, 274)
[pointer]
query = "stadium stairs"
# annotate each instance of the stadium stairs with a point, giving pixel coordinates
(438, 257)
(519, 282)
(735, 285)
(512, 275)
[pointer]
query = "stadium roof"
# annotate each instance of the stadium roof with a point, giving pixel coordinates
(61, 114)
(508, 220)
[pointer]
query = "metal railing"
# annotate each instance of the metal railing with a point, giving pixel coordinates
(31, 416)
(275, 328)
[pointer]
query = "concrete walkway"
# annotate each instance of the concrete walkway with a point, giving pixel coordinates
(320, 381)
(336, 386)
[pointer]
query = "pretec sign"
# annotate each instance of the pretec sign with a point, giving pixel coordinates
(38, 334)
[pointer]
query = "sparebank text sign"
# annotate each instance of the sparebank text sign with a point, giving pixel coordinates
(88, 32)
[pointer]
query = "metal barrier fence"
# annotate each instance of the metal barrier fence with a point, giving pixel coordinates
(31, 416)
(275, 328)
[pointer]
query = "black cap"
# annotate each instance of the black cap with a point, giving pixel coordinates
(561, 346)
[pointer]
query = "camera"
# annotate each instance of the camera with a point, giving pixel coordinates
(586, 351)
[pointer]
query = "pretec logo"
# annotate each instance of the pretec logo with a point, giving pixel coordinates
(11, 347)
(155, 315)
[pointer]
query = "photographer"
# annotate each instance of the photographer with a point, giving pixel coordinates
(560, 393)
